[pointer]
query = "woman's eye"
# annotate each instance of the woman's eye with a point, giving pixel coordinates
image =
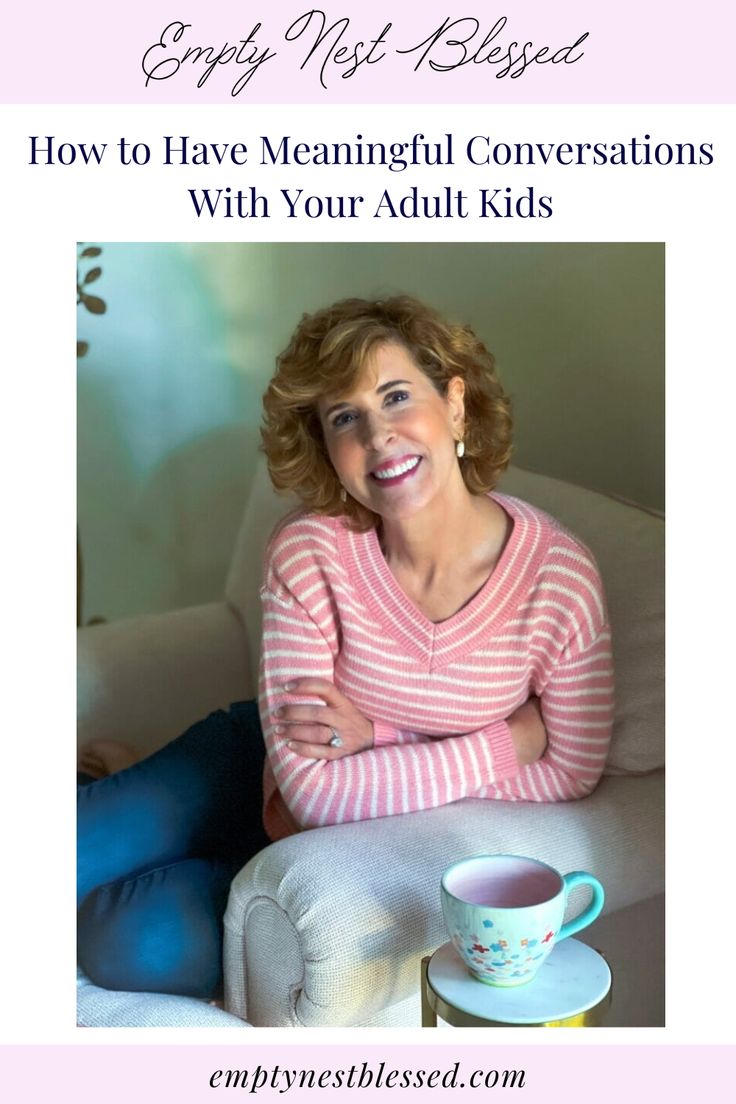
(397, 397)
(342, 419)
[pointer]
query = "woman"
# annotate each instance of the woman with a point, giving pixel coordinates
(425, 639)
(424, 610)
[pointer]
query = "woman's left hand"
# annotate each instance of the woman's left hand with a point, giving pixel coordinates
(308, 729)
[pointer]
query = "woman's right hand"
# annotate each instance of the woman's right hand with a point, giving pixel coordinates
(528, 732)
(308, 728)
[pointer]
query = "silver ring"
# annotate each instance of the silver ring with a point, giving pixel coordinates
(335, 739)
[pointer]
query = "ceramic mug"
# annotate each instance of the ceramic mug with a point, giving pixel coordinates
(504, 914)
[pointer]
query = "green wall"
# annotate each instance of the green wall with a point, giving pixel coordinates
(169, 393)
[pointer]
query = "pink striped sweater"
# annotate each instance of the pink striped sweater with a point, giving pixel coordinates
(438, 693)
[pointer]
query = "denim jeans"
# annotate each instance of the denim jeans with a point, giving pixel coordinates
(157, 847)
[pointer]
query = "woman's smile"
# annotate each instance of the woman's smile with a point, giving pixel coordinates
(392, 472)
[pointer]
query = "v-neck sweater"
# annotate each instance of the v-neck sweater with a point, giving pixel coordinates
(438, 693)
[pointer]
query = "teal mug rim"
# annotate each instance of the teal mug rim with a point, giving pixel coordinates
(503, 855)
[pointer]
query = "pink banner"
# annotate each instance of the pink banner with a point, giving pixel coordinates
(284, 51)
(544, 1074)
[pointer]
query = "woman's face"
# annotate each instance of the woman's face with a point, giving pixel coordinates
(392, 439)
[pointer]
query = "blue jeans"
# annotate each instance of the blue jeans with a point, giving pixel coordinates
(157, 847)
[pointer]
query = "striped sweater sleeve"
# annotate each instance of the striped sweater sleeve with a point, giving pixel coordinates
(400, 776)
(574, 683)
(577, 708)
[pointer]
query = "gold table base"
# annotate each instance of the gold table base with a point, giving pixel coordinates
(433, 1006)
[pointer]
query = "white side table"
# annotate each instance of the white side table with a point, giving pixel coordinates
(572, 989)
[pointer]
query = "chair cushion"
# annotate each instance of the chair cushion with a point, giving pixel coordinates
(107, 1008)
(263, 510)
(626, 540)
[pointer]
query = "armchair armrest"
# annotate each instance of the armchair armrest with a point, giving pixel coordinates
(145, 679)
(327, 928)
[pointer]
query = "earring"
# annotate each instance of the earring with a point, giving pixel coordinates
(460, 449)
(343, 495)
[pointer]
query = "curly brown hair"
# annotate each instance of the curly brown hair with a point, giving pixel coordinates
(327, 354)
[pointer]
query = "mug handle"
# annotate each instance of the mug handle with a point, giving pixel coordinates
(588, 915)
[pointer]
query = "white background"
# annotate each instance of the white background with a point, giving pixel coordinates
(46, 210)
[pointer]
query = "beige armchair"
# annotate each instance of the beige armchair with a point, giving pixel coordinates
(328, 928)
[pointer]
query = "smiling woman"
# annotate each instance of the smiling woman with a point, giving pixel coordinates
(451, 641)
(425, 640)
